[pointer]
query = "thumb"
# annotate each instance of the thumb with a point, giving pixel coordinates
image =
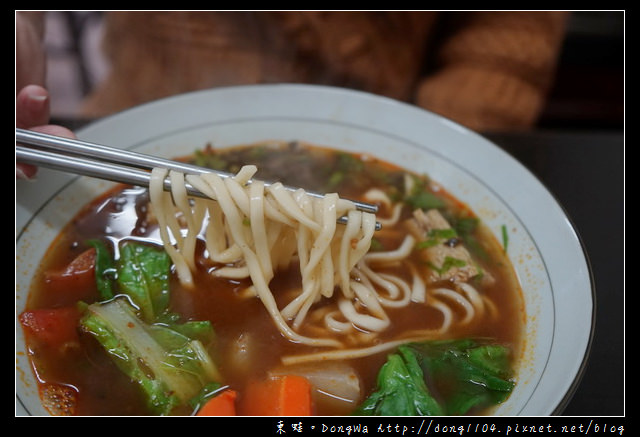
(32, 107)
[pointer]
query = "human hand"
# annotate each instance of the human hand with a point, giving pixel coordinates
(32, 112)
(30, 52)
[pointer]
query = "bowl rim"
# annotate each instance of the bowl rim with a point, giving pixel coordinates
(561, 404)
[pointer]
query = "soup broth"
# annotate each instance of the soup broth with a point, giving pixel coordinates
(78, 377)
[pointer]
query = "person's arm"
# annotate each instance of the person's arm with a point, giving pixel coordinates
(494, 69)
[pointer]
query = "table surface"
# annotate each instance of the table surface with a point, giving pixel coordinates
(585, 172)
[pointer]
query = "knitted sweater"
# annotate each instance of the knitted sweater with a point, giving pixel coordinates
(485, 70)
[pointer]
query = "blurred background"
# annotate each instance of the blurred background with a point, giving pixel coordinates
(588, 91)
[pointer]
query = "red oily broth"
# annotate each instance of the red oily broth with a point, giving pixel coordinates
(247, 344)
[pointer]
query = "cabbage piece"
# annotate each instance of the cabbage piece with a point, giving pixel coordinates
(336, 384)
(168, 366)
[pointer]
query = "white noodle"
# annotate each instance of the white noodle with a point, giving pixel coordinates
(347, 354)
(376, 195)
(459, 299)
(252, 230)
(418, 287)
(399, 254)
(474, 297)
(446, 312)
(161, 203)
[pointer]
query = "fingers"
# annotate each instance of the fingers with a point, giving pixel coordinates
(32, 112)
(32, 107)
(25, 171)
(52, 129)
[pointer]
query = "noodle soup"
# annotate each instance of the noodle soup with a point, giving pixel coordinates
(430, 285)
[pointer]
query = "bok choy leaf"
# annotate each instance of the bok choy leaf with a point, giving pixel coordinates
(169, 367)
(441, 378)
(105, 270)
(165, 356)
(468, 373)
(401, 390)
(143, 274)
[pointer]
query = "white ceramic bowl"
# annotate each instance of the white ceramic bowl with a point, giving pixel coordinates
(544, 248)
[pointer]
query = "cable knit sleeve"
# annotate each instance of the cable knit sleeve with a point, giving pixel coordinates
(494, 69)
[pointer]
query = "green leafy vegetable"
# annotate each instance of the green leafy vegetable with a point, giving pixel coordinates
(209, 158)
(466, 227)
(443, 234)
(143, 274)
(163, 355)
(505, 238)
(467, 373)
(335, 179)
(437, 236)
(448, 263)
(460, 375)
(401, 389)
(347, 167)
(209, 391)
(425, 244)
(424, 200)
(105, 270)
(349, 163)
(419, 197)
(196, 329)
(168, 366)
(376, 245)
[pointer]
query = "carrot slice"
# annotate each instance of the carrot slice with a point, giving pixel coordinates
(224, 404)
(288, 395)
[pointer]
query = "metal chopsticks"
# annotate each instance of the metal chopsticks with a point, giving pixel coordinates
(113, 164)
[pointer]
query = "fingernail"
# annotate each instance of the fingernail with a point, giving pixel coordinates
(37, 97)
(21, 174)
(25, 173)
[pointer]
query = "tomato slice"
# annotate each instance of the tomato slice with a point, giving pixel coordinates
(58, 399)
(77, 280)
(55, 327)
